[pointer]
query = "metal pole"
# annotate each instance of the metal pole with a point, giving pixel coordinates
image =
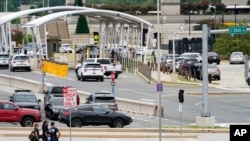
(189, 18)
(174, 52)
(234, 14)
(70, 124)
(158, 66)
(205, 112)
(6, 4)
(215, 17)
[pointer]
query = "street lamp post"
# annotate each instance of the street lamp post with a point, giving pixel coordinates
(235, 14)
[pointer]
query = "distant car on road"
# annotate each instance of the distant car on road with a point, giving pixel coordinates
(20, 61)
(90, 70)
(4, 60)
(192, 55)
(104, 98)
(237, 57)
(213, 70)
(25, 99)
(93, 114)
(213, 57)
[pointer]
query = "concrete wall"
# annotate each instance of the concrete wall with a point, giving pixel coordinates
(170, 7)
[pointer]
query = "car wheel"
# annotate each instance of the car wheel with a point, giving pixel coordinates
(78, 77)
(218, 78)
(218, 63)
(82, 78)
(27, 122)
(118, 123)
(101, 79)
(76, 122)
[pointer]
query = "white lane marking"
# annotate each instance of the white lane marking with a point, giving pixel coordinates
(198, 103)
(190, 139)
(148, 100)
(71, 79)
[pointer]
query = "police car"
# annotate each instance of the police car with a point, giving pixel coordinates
(4, 60)
(20, 61)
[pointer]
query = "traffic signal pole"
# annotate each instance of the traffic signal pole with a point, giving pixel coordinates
(206, 119)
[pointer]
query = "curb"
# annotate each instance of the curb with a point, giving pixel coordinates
(138, 130)
(219, 93)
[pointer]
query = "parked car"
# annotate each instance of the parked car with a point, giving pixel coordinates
(55, 91)
(248, 77)
(93, 114)
(213, 70)
(53, 107)
(20, 61)
(168, 57)
(65, 48)
(192, 55)
(104, 98)
(107, 66)
(10, 112)
(4, 60)
(90, 70)
(213, 57)
(25, 99)
(237, 57)
(186, 63)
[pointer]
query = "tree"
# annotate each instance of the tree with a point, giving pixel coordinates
(82, 24)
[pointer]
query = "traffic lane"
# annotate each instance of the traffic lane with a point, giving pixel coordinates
(232, 75)
(139, 121)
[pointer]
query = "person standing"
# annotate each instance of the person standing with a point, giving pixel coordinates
(36, 132)
(54, 132)
(45, 129)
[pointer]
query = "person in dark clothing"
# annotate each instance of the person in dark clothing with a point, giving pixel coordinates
(54, 132)
(45, 130)
(36, 132)
(25, 51)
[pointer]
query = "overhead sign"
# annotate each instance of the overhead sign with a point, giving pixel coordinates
(70, 97)
(238, 30)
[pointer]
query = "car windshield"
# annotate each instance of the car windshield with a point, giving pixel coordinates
(212, 66)
(212, 54)
(105, 99)
(25, 98)
(93, 66)
(103, 61)
(186, 55)
(66, 45)
(21, 58)
(237, 53)
(4, 57)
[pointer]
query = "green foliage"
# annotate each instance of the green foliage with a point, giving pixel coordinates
(226, 43)
(15, 21)
(82, 25)
(16, 35)
(24, 40)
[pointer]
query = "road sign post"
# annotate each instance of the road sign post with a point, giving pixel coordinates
(113, 82)
(238, 30)
(69, 100)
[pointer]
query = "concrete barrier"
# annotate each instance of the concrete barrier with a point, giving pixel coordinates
(127, 105)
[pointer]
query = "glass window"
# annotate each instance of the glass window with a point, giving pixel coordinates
(8, 106)
(21, 58)
(93, 66)
(105, 99)
(25, 98)
(99, 109)
(87, 108)
(103, 61)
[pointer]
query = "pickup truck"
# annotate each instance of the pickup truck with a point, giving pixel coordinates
(108, 67)
(10, 112)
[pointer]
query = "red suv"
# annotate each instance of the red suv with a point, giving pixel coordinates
(10, 112)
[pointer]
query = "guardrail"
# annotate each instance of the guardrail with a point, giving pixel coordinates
(123, 104)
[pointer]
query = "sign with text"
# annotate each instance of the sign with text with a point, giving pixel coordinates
(238, 30)
(239, 132)
(70, 97)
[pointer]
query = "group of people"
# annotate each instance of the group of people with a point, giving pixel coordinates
(48, 134)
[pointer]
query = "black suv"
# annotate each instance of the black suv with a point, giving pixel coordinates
(104, 98)
(93, 114)
(25, 99)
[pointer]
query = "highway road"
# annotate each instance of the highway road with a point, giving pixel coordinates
(226, 108)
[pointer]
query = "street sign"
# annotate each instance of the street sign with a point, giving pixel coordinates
(238, 30)
(70, 97)
(159, 87)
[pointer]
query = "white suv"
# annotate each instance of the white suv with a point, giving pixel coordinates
(4, 60)
(20, 61)
(192, 55)
(90, 70)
